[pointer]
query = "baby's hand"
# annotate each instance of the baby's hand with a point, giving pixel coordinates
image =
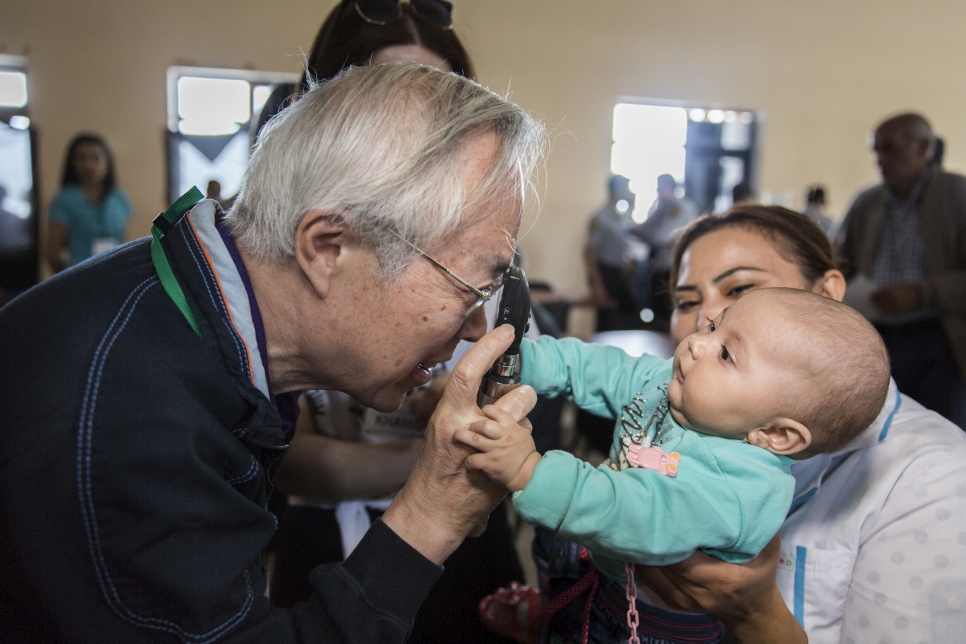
(507, 453)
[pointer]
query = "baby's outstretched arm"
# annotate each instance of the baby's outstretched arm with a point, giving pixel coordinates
(507, 453)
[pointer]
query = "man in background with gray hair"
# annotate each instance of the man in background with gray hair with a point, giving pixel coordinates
(908, 236)
(149, 394)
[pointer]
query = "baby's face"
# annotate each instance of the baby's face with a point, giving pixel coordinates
(735, 374)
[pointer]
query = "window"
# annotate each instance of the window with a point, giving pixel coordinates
(708, 150)
(18, 198)
(209, 116)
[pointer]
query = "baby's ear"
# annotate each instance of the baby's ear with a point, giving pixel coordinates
(782, 436)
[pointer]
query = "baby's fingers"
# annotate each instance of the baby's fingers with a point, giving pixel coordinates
(486, 465)
(472, 438)
(498, 415)
(478, 463)
(493, 429)
(505, 419)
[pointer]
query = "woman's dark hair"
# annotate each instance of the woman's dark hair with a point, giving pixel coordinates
(345, 39)
(797, 238)
(70, 173)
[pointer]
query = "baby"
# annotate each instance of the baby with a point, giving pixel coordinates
(704, 441)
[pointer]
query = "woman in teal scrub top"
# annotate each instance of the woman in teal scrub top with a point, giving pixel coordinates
(89, 214)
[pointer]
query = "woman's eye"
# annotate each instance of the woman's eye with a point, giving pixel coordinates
(682, 307)
(725, 355)
(739, 290)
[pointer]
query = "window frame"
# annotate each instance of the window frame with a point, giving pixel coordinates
(173, 134)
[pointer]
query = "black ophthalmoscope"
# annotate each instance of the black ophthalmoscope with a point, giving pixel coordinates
(514, 309)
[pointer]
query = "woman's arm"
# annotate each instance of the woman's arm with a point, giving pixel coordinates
(56, 240)
(744, 597)
(337, 470)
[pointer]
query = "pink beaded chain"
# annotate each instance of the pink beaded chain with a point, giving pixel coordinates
(590, 581)
(631, 593)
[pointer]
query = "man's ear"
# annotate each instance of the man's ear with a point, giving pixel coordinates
(319, 240)
(783, 436)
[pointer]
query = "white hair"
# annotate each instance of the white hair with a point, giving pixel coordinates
(380, 146)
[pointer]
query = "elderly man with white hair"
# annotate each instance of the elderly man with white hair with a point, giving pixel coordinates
(149, 393)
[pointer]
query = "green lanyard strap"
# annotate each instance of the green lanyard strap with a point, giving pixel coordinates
(162, 224)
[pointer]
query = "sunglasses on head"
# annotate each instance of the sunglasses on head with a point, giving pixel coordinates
(381, 12)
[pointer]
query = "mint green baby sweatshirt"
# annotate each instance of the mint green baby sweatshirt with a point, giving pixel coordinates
(728, 498)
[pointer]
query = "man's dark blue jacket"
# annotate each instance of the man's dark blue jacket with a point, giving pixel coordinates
(135, 468)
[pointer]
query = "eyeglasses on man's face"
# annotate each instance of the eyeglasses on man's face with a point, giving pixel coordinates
(483, 294)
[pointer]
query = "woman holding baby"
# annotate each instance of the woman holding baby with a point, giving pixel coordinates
(874, 546)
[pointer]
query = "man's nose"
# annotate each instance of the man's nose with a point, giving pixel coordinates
(474, 326)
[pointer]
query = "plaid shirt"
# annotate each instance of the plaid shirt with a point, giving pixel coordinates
(902, 253)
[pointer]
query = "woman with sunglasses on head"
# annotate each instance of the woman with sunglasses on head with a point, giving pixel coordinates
(346, 462)
(363, 32)
(873, 546)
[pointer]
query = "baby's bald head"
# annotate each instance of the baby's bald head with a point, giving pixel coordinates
(838, 365)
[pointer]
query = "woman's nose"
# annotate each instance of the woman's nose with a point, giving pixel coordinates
(711, 310)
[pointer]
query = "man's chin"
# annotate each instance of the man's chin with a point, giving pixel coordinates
(385, 402)
(388, 399)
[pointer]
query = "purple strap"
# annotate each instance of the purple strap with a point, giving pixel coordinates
(286, 404)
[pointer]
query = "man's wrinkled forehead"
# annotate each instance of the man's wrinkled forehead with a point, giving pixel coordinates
(497, 213)
(499, 248)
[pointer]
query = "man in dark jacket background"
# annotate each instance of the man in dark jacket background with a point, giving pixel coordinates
(908, 236)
